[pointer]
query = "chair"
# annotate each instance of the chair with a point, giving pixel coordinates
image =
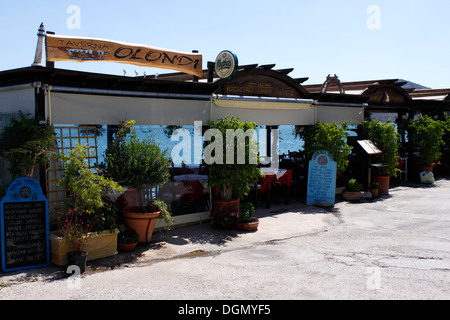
(256, 188)
(277, 186)
(404, 167)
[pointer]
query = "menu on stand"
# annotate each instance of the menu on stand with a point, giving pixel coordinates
(24, 227)
(322, 179)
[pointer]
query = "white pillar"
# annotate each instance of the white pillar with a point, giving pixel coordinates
(40, 47)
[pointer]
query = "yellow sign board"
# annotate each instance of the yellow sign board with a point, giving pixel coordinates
(63, 48)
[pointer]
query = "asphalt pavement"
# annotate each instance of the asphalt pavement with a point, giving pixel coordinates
(396, 247)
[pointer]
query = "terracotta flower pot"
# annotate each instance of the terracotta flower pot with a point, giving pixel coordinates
(425, 168)
(226, 205)
(374, 192)
(384, 182)
(142, 223)
(127, 247)
(352, 196)
(251, 225)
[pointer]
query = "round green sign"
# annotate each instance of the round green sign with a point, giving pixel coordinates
(226, 64)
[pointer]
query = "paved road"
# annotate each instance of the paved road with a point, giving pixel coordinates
(397, 247)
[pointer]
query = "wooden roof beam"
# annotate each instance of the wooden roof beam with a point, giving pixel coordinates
(267, 66)
(285, 71)
(301, 80)
(429, 92)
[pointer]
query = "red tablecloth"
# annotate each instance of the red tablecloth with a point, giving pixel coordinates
(191, 187)
(283, 176)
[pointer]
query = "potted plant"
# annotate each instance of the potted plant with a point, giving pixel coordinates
(229, 174)
(426, 134)
(26, 143)
(375, 189)
(127, 240)
(385, 136)
(331, 137)
(137, 163)
(76, 234)
(352, 191)
(87, 194)
(246, 221)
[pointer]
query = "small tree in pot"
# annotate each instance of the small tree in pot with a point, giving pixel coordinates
(232, 159)
(352, 191)
(427, 134)
(246, 221)
(137, 163)
(385, 136)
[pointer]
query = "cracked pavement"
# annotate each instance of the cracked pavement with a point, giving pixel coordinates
(396, 247)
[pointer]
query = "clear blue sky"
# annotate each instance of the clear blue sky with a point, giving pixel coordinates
(316, 38)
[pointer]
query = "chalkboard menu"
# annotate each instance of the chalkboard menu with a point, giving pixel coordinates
(24, 227)
(322, 179)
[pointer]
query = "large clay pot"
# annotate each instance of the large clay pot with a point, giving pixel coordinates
(251, 225)
(384, 182)
(227, 205)
(142, 223)
(223, 210)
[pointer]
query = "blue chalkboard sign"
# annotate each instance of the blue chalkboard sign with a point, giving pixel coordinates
(322, 179)
(24, 227)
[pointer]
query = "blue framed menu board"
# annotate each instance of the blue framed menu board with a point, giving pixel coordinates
(24, 227)
(322, 179)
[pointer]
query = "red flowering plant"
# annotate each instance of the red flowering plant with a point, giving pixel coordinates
(75, 230)
(224, 219)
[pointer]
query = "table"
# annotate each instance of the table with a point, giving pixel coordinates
(273, 175)
(191, 186)
(283, 176)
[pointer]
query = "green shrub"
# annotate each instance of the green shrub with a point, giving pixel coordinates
(387, 139)
(246, 212)
(135, 162)
(353, 186)
(330, 137)
(26, 143)
(87, 191)
(233, 178)
(427, 134)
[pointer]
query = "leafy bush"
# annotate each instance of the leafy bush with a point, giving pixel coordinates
(427, 134)
(375, 185)
(387, 139)
(330, 137)
(135, 162)
(26, 143)
(232, 178)
(87, 190)
(161, 206)
(74, 229)
(128, 237)
(246, 212)
(353, 186)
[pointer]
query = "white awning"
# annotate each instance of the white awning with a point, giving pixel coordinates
(264, 111)
(101, 107)
(338, 113)
(74, 108)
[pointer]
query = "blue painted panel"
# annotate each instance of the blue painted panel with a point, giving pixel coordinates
(24, 227)
(322, 179)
